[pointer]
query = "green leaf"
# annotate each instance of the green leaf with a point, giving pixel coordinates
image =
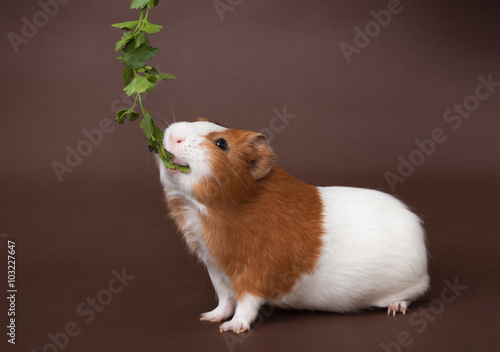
(147, 125)
(153, 149)
(139, 4)
(151, 70)
(151, 78)
(141, 38)
(122, 115)
(166, 76)
(127, 75)
(150, 89)
(168, 154)
(127, 36)
(184, 169)
(155, 77)
(158, 133)
(168, 164)
(151, 28)
(138, 85)
(152, 3)
(134, 115)
(119, 44)
(125, 25)
(137, 57)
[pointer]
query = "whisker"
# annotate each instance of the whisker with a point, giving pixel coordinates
(216, 157)
(161, 123)
(166, 121)
(214, 176)
(173, 112)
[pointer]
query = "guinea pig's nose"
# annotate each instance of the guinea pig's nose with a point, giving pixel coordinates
(176, 139)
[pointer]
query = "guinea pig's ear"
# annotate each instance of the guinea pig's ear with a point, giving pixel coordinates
(263, 157)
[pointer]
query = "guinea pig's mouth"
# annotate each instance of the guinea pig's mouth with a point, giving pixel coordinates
(175, 165)
(172, 163)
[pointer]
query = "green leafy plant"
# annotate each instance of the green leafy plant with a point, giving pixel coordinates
(140, 78)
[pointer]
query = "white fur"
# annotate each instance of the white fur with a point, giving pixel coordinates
(373, 254)
(225, 294)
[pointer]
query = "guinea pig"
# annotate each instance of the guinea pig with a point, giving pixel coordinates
(268, 238)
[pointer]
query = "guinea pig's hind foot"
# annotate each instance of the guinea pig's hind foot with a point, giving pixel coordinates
(398, 306)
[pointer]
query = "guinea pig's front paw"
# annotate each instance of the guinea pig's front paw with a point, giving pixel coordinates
(222, 312)
(236, 325)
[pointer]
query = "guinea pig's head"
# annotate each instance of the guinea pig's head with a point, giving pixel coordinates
(224, 164)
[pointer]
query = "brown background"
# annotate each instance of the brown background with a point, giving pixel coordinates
(352, 122)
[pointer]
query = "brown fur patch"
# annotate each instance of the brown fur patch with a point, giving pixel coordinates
(264, 234)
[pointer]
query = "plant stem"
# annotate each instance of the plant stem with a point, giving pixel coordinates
(141, 21)
(140, 102)
(135, 101)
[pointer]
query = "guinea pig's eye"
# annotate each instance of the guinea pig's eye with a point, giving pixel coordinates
(221, 143)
